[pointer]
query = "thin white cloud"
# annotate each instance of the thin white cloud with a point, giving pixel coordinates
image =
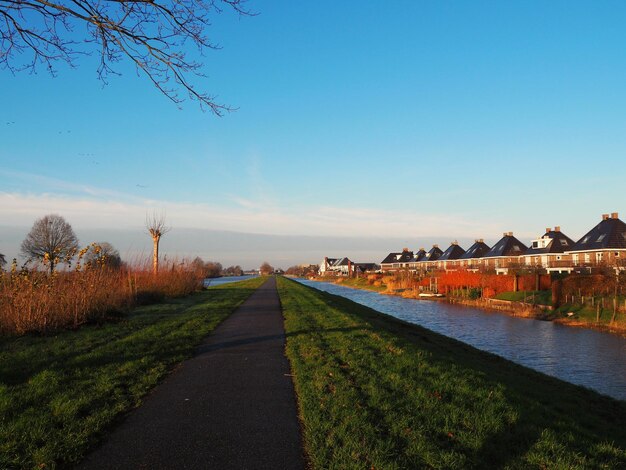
(108, 212)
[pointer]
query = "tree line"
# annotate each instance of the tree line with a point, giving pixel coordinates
(52, 241)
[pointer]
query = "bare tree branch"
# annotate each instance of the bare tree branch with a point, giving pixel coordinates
(152, 34)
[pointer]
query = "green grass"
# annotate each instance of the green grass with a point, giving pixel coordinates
(361, 283)
(541, 297)
(59, 394)
(588, 314)
(375, 392)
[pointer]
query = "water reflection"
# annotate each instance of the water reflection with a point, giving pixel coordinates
(218, 281)
(585, 357)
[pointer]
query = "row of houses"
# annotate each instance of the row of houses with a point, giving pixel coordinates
(603, 246)
(344, 267)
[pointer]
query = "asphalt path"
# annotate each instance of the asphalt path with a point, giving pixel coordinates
(232, 406)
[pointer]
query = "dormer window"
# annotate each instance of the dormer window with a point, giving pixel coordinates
(564, 242)
(601, 237)
(535, 244)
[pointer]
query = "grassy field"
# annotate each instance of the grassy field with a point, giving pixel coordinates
(375, 392)
(59, 394)
(361, 283)
(541, 297)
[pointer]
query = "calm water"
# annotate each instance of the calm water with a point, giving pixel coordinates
(584, 357)
(217, 281)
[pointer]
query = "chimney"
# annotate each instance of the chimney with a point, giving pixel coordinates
(455, 242)
(548, 229)
(481, 240)
(505, 234)
(435, 246)
(605, 216)
(404, 250)
(557, 229)
(509, 234)
(614, 215)
(422, 249)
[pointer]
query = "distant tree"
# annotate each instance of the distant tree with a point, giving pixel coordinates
(233, 271)
(213, 269)
(152, 34)
(197, 264)
(3, 261)
(156, 226)
(266, 268)
(103, 254)
(303, 270)
(51, 241)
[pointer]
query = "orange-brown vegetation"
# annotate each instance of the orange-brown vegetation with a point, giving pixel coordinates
(35, 301)
(491, 284)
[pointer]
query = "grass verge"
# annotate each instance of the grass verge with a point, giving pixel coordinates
(541, 297)
(59, 394)
(375, 392)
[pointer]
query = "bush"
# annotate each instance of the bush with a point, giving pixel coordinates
(474, 293)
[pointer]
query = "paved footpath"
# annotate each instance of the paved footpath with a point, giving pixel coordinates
(232, 406)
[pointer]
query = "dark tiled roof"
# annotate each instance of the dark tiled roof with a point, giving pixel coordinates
(477, 250)
(507, 246)
(343, 262)
(559, 244)
(608, 234)
(454, 251)
(367, 266)
(433, 255)
(419, 255)
(399, 257)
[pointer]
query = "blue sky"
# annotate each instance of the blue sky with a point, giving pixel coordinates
(411, 120)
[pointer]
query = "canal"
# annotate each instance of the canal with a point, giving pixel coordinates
(585, 357)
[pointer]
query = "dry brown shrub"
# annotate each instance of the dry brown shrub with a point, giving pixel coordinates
(32, 300)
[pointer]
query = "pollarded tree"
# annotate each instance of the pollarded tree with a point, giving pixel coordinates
(51, 241)
(156, 226)
(152, 34)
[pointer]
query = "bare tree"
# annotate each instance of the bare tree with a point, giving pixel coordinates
(3, 261)
(51, 240)
(266, 268)
(156, 226)
(152, 34)
(103, 254)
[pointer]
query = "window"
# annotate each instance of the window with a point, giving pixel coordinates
(535, 244)
(586, 239)
(601, 237)
(563, 242)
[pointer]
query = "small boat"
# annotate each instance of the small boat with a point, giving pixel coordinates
(425, 294)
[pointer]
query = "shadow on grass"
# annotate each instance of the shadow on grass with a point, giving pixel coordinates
(98, 345)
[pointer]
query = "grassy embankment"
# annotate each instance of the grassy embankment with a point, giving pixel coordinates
(359, 283)
(374, 392)
(539, 297)
(59, 394)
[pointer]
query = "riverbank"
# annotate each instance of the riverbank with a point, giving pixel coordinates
(59, 394)
(376, 392)
(576, 316)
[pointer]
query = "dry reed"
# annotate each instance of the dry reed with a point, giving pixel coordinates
(32, 300)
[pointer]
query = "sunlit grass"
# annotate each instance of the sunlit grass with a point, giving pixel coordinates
(375, 392)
